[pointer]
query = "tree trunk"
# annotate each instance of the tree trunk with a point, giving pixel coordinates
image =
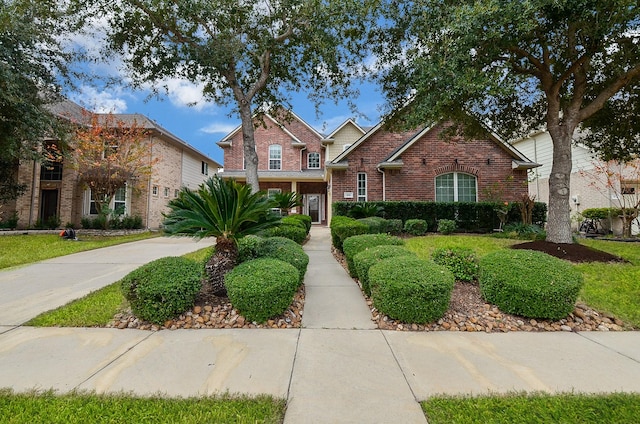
(249, 146)
(559, 219)
(217, 267)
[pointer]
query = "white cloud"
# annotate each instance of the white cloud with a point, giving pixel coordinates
(184, 93)
(219, 128)
(100, 101)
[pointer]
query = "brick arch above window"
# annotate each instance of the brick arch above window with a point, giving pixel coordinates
(455, 167)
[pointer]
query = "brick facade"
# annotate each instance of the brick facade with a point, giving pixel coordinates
(422, 162)
(68, 200)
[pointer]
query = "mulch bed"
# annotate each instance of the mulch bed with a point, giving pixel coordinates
(572, 252)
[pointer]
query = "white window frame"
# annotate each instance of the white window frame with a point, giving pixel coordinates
(273, 149)
(455, 185)
(361, 187)
(88, 201)
(316, 162)
(154, 190)
(205, 168)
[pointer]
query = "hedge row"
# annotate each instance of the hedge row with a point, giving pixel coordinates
(469, 216)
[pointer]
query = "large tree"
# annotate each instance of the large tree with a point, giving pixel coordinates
(33, 61)
(248, 53)
(517, 66)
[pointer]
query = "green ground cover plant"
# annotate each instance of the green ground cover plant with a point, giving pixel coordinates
(533, 408)
(81, 408)
(462, 261)
(25, 249)
(481, 245)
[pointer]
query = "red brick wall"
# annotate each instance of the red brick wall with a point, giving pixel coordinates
(293, 158)
(415, 181)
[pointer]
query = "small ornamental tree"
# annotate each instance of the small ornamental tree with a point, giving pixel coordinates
(619, 181)
(108, 153)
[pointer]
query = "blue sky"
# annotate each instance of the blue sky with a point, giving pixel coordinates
(203, 125)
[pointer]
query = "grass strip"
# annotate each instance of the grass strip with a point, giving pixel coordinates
(534, 408)
(29, 248)
(81, 407)
(98, 307)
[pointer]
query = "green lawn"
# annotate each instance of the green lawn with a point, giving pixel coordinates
(25, 249)
(522, 408)
(81, 408)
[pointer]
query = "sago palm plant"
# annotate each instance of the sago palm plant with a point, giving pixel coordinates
(223, 209)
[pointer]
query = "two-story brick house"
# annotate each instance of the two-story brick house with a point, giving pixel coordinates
(53, 190)
(291, 159)
(359, 164)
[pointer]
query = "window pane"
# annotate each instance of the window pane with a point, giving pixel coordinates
(466, 188)
(362, 187)
(314, 160)
(444, 188)
(275, 157)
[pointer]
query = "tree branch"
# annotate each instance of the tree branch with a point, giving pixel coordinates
(609, 92)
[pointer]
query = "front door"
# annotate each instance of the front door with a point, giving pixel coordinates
(314, 207)
(48, 205)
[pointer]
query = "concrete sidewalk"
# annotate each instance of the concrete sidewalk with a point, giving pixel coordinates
(337, 368)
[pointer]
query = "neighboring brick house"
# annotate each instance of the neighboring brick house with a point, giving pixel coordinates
(54, 192)
(419, 165)
(291, 159)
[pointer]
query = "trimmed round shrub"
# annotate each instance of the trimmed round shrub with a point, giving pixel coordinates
(394, 226)
(356, 244)
(290, 220)
(369, 257)
(529, 283)
(292, 232)
(375, 224)
(262, 288)
(410, 289)
(249, 248)
(163, 288)
(446, 226)
(461, 261)
(415, 227)
(286, 250)
(343, 227)
(305, 219)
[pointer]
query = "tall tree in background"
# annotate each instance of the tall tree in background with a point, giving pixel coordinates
(107, 154)
(518, 66)
(249, 53)
(32, 63)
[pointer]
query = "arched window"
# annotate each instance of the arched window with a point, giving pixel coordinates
(456, 187)
(313, 160)
(275, 157)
